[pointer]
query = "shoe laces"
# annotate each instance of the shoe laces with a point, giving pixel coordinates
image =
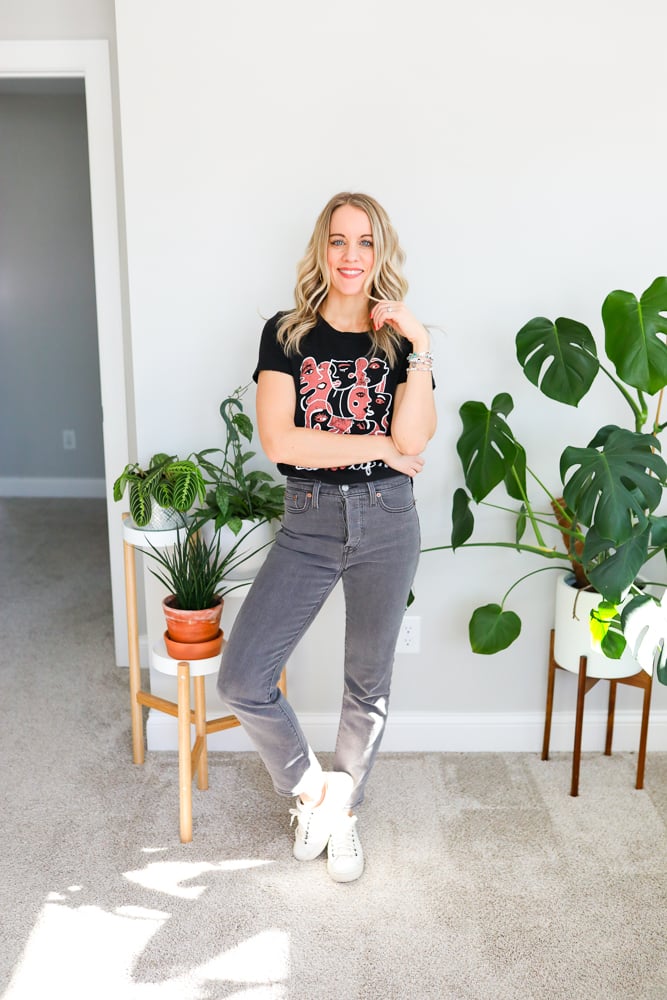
(295, 815)
(301, 813)
(344, 838)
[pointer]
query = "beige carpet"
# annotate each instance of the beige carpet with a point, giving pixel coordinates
(484, 880)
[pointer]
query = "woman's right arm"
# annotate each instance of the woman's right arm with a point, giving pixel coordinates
(283, 442)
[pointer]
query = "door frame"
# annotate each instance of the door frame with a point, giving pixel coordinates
(89, 60)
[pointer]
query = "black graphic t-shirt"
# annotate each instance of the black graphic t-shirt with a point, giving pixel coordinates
(340, 387)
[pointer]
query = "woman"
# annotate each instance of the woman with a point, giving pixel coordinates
(344, 407)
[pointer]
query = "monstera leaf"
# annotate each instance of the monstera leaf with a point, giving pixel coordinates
(632, 342)
(463, 521)
(612, 569)
(559, 358)
(644, 622)
(488, 451)
(492, 629)
(614, 488)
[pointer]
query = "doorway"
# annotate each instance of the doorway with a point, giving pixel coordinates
(51, 442)
(88, 63)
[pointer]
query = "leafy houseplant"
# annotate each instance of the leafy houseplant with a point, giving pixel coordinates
(169, 481)
(237, 494)
(602, 517)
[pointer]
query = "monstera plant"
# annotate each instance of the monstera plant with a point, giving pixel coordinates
(602, 517)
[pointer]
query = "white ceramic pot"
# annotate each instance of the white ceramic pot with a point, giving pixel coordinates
(260, 536)
(572, 637)
(164, 519)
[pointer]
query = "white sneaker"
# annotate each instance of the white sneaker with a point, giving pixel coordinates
(314, 823)
(346, 857)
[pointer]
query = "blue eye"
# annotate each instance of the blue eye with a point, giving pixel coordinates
(367, 243)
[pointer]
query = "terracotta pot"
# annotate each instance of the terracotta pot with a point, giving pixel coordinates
(194, 650)
(572, 637)
(192, 626)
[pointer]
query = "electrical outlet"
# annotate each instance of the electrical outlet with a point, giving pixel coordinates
(69, 440)
(409, 638)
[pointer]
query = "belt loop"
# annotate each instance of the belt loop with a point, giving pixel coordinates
(316, 494)
(372, 493)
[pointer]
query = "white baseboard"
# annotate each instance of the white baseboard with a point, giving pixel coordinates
(34, 486)
(486, 732)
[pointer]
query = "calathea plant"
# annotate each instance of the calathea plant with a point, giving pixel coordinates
(170, 481)
(602, 517)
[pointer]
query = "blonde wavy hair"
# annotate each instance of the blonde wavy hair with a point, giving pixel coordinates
(386, 280)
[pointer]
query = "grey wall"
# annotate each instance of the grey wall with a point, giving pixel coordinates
(57, 19)
(49, 371)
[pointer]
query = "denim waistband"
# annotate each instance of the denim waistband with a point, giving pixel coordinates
(369, 489)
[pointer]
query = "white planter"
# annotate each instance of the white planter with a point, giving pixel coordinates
(164, 519)
(260, 536)
(572, 637)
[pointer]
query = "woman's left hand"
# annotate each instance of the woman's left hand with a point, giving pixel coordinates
(398, 316)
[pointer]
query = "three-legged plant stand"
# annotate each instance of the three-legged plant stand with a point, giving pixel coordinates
(639, 680)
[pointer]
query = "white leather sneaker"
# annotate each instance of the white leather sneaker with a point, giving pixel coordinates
(314, 823)
(345, 856)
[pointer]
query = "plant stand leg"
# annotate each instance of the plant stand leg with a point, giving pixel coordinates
(136, 711)
(610, 717)
(201, 764)
(578, 726)
(551, 680)
(647, 680)
(184, 759)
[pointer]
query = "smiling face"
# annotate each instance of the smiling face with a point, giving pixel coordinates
(350, 253)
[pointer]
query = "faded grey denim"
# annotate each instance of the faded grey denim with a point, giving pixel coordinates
(368, 534)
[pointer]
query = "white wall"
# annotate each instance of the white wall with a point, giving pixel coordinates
(518, 147)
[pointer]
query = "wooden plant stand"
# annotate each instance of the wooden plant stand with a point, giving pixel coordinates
(192, 758)
(639, 680)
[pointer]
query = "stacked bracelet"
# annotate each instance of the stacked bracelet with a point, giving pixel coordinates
(420, 362)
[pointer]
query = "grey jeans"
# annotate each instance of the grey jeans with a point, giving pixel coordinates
(368, 535)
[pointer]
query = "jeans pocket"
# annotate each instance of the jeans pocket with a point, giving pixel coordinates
(298, 499)
(396, 499)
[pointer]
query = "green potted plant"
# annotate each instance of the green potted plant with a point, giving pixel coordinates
(601, 518)
(237, 497)
(163, 492)
(195, 571)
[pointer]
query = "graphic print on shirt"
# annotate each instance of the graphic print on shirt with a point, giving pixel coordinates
(346, 397)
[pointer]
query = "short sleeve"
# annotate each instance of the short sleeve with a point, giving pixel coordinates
(272, 357)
